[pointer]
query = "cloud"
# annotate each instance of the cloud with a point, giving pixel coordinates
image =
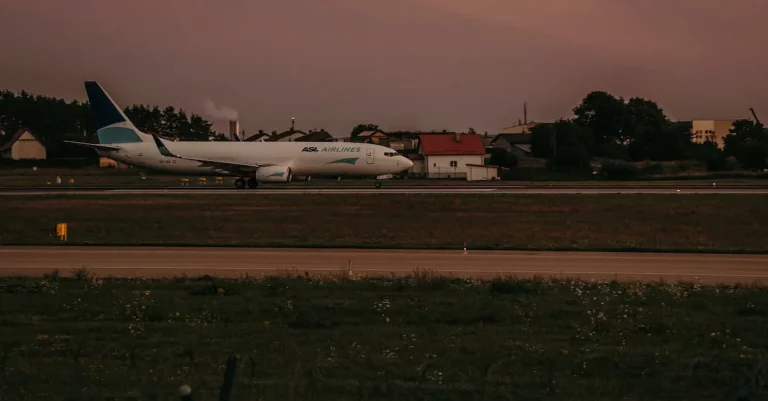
(221, 112)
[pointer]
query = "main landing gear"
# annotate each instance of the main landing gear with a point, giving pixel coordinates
(377, 184)
(240, 183)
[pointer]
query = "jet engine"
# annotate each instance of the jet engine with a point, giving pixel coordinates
(273, 174)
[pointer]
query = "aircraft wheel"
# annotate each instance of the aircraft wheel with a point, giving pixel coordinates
(378, 184)
(252, 183)
(239, 183)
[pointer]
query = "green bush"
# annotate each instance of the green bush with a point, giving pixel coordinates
(618, 170)
(652, 169)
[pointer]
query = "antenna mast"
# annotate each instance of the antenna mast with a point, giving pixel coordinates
(525, 113)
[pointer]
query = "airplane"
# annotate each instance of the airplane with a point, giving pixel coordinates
(250, 162)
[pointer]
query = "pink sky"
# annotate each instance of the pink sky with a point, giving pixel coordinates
(402, 64)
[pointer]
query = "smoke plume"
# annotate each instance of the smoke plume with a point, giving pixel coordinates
(221, 112)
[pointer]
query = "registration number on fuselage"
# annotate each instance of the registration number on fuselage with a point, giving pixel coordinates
(167, 161)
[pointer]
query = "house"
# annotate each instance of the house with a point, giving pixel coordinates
(315, 136)
(404, 141)
(23, 146)
(482, 172)
(521, 128)
(453, 156)
(518, 144)
(286, 136)
(377, 137)
(260, 136)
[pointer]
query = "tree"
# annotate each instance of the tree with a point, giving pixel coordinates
(565, 143)
(642, 117)
(603, 115)
(668, 141)
(748, 143)
(54, 120)
(362, 128)
(711, 155)
(50, 119)
(146, 119)
(199, 129)
(171, 123)
(644, 129)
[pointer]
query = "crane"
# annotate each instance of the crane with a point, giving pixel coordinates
(754, 115)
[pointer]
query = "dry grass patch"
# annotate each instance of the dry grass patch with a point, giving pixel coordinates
(693, 222)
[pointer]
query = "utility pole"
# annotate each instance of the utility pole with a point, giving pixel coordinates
(525, 113)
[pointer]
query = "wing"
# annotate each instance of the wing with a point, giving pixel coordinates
(94, 145)
(232, 167)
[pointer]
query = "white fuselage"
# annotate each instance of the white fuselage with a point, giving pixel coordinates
(303, 158)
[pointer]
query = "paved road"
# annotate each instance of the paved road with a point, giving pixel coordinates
(427, 189)
(235, 262)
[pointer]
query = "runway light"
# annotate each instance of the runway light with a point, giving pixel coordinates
(465, 247)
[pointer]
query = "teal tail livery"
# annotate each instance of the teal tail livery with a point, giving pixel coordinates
(250, 162)
(112, 125)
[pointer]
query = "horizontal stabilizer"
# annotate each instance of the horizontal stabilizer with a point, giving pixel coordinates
(94, 145)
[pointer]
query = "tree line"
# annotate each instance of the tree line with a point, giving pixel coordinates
(53, 119)
(608, 127)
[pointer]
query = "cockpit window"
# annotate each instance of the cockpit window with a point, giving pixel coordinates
(391, 154)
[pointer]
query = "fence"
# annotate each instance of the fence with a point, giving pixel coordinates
(452, 175)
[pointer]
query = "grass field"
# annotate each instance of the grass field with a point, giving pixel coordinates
(347, 338)
(578, 222)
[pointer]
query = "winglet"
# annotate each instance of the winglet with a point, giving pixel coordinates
(162, 148)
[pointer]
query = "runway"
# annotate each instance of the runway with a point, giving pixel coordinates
(395, 189)
(156, 262)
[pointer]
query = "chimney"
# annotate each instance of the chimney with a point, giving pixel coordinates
(458, 137)
(234, 129)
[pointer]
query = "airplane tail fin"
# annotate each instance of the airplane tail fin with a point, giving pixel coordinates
(112, 125)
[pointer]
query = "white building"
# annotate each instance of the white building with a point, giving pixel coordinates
(713, 130)
(453, 156)
(23, 145)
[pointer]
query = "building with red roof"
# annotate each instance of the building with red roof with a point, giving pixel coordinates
(453, 156)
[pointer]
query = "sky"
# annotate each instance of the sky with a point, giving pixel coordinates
(401, 64)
